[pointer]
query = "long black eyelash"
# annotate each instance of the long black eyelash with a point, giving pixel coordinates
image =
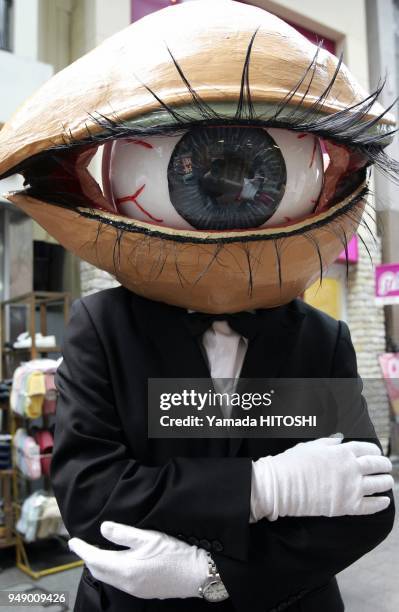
(116, 254)
(345, 127)
(217, 251)
(336, 228)
(366, 247)
(278, 240)
(245, 107)
(310, 69)
(310, 238)
(349, 126)
(344, 241)
(359, 220)
(248, 259)
(277, 251)
(206, 110)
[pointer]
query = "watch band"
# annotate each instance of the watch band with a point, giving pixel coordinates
(213, 581)
(212, 569)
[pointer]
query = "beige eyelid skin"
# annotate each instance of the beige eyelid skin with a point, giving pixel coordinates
(226, 273)
(211, 51)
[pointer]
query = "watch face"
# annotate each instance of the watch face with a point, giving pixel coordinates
(215, 591)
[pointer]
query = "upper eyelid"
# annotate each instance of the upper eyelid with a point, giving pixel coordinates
(356, 126)
(349, 126)
(121, 130)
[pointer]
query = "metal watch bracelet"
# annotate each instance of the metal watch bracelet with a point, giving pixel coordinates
(212, 569)
(213, 589)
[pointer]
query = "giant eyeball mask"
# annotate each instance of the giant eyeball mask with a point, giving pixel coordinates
(234, 157)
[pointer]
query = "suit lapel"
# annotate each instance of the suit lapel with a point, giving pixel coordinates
(268, 351)
(179, 355)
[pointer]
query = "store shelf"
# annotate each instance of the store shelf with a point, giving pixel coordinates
(6, 479)
(45, 555)
(35, 301)
(7, 543)
(31, 557)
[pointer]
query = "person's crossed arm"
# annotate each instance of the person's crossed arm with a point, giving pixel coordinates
(143, 508)
(318, 478)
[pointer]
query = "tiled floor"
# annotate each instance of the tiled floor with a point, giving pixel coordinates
(370, 585)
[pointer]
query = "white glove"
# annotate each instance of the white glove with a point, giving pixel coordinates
(320, 478)
(156, 566)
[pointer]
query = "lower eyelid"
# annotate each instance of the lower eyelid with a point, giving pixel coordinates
(308, 224)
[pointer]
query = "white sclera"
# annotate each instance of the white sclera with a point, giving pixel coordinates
(134, 165)
(304, 163)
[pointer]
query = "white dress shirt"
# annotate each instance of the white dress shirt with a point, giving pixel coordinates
(225, 350)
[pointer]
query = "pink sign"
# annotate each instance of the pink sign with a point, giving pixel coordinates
(389, 363)
(140, 8)
(387, 284)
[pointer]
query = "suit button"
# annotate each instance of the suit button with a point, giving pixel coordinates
(217, 546)
(193, 541)
(205, 544)
(181, 536)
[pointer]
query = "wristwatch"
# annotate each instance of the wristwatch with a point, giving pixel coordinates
(213, 589)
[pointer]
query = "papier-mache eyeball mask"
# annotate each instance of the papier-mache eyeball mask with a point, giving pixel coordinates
(234, 157)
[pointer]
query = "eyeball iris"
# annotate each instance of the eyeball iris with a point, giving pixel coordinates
(223, 178)
(215, 177)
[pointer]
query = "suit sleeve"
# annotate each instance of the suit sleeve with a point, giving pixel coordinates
(95, 477)
(293, 556)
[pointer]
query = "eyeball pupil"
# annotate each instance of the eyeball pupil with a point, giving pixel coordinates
(226, 177)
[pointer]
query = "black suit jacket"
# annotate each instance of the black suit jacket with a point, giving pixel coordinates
(104, 467)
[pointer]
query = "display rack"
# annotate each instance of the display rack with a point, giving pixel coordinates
(7, 538)
(36, 302)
